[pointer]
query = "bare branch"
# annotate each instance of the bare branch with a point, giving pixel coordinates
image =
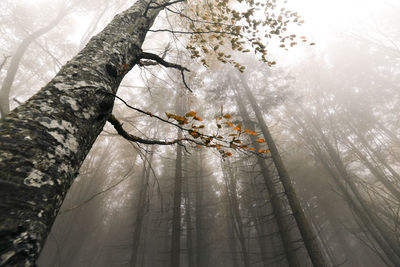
(118, 127)
(166, 4)
(161, 61)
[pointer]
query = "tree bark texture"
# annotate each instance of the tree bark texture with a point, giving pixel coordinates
(44, 141)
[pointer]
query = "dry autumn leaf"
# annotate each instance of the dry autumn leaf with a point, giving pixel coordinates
(190, 114)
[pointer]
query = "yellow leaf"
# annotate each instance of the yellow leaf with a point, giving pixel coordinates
(190, 114)
(227, 116)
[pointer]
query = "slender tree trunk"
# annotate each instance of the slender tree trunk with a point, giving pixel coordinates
(16, 59)
(230, 225)
(189, 225)
(306, 231)
(177, 201)
(140, 209)
(44, 141)
(277, 205)
(200, 244)
(231, 184)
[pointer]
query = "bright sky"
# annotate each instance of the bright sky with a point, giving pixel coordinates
(327, 20)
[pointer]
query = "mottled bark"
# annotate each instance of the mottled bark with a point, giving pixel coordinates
(16, 59)
(44, 142)
(306, 231)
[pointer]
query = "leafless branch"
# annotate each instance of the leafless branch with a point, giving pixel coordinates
(161, 61)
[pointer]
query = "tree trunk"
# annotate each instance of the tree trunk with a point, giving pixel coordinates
(200, 244)
(277, 205)
(306, 231)
(140, 209)
(177, 213)
(231, 184)
(230, 223)
(189, 225)
(44, 141)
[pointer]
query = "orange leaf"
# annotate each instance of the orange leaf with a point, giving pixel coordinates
(228, 154)
(190, 114)
(194, 134)
(198, 118)
(260, 140)
(230, 124)
(252, 133)
(236, 129)
(251, 148)
(260, 151)
(227, 116)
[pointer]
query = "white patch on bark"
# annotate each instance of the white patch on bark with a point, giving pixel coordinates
(40, 214)
(70, 101)
(46, 108)
(88, 113)
(6, 256)
(65, 136)
(35, 179)
(62, 86)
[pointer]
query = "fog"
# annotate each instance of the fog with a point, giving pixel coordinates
(209, 155)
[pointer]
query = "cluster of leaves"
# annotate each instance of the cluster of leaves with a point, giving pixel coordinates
(222, 26)
(232, 138)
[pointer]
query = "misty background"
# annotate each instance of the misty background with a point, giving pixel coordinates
(332, 109)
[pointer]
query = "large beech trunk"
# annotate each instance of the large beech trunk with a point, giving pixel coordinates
(44, 141)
